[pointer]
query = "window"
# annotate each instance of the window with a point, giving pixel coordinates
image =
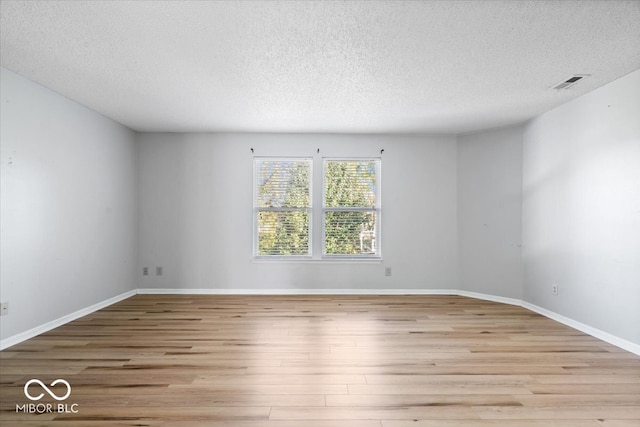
(283, 207)
(351, 207)
(286, 224)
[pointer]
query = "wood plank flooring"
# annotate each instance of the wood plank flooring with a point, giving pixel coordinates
(319, 361)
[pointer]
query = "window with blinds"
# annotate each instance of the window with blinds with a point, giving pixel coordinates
(351, 208)
(282, 207)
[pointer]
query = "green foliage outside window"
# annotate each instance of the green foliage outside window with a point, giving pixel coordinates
(283, 201)
(284, 207)
(349, 184)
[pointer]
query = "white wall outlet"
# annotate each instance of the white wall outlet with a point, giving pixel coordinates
(387, 271)
(554, 289)
(158, 271)
(145, 271)
(4, 308)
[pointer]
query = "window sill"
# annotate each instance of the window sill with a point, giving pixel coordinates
(331, 260)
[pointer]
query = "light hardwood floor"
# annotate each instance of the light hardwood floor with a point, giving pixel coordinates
(320, 361)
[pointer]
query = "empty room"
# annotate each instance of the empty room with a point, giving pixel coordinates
(320, 213)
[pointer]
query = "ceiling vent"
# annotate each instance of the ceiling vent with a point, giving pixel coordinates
(570, 81)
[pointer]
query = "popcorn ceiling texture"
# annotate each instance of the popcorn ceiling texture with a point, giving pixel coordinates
(314, 66)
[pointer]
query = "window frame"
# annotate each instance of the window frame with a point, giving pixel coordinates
(316, 212)
(377, 210)
(257, 209)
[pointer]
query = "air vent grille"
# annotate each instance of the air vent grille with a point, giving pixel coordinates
(566, 84)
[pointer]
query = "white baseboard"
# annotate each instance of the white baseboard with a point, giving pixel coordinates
(604, 336)
(589, 330)
(486, 297)
(179, 291)
(23, 336)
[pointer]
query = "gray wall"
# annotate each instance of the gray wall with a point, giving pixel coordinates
(196, 220)
(581, 210)
(490, 212)
(68, 206)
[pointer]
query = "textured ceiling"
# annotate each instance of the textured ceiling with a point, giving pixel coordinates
(312, 66)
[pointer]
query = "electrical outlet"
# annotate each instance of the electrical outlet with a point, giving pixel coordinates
(145, 271)
(4, 308)
(158, 271)
(387, 271)
(554, 289)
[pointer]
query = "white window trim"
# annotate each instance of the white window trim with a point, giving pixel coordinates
(377, 209)
(316, 215)
(257, 210)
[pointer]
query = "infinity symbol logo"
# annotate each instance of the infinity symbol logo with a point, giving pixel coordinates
(47, 389)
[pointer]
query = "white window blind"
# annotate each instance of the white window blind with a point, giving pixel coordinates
(282, 207)
(351, 208)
